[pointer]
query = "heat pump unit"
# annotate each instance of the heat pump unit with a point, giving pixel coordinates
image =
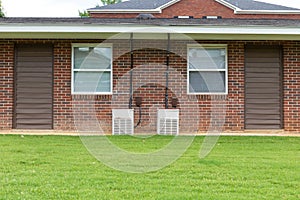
(122, 122)
(168, 122)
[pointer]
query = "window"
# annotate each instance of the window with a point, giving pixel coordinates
(207, 69)
(92, 69)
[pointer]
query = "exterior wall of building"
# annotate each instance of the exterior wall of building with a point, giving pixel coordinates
(74, 111)
(198, 9)
(149, 83)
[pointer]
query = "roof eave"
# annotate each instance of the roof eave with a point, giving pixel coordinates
(124, 11)
(210, 32)
(156, 10)
(267, 12)
(168, 4)
(238, 10)
(229, 5)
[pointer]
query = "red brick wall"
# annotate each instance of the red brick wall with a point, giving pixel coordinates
(235, 98)
(6, 83)
(291, 53)
(62, 108)
(149, 84)
(198, 9)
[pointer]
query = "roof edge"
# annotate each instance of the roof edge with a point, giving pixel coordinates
(168, 4)
(267, 12)
(238, 10)
(228, 5)
(156, 10)
(124, 11)
(222, 32)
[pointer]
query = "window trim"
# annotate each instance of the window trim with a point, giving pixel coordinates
(208, 46)
(110, 45)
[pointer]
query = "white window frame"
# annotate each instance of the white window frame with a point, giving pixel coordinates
(207, 46)
(92, 70)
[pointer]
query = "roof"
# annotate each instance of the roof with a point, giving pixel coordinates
(156, 6)
(137, 4)
(255, 5)
(102, 28)
(76, 21)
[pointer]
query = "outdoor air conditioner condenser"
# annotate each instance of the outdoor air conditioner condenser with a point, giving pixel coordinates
(122, 122)
(168, 121)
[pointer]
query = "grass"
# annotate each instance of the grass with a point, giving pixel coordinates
(59, 167)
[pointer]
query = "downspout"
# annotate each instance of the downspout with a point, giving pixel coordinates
(131, 72)
(167, 73)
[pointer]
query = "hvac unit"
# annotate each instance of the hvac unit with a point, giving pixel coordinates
(122, 122)
(168, 122)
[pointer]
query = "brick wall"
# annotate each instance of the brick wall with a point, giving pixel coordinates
(149, 83)
(6, 83)
(198, 9)
(291, 76)
(62, 102)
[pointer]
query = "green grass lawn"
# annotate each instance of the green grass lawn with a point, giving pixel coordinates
(60, 167)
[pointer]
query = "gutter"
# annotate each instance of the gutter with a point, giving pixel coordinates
(103, 31)
(151, 28)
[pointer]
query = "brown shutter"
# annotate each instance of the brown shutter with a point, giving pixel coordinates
(263, 92)
(33, 87)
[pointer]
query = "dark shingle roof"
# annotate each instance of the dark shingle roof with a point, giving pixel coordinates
(155, 22)
(155, 4)
(256, 5)
(136, 5)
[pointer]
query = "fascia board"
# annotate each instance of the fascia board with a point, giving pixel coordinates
(246, 32)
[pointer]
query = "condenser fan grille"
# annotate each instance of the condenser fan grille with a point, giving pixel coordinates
(122, 122)
(168, 122)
